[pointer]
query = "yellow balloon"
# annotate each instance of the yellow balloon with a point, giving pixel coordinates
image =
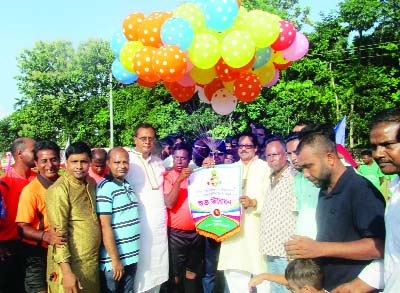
(263, 27)
(127, 54)
(265, 73)
(204, 51)
(203, 76)
(229, 85)
(240, 21)
(237, 49)
(193, 14)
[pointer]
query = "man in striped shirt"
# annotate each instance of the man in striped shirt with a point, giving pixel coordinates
(117, 208)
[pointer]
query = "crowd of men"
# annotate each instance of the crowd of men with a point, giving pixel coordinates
(119, 221)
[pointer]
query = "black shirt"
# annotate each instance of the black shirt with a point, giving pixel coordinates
(353, 210)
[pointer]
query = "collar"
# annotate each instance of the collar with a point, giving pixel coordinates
(394, 184)
(139, 154)
(342, 182)
(110, 178)
(73, 180)
(44, 181)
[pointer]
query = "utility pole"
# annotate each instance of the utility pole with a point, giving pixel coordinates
(111, 115)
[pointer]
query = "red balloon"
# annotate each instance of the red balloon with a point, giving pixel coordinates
(180, 93)
(286, 36)
(225, 72)
(144, 83)
(212, 87)
(247, 87)
(282, 66)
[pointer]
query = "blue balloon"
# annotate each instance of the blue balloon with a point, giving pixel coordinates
(116, 43)
(262, 57)
(220, 14)
(121, 74)
(177, 31)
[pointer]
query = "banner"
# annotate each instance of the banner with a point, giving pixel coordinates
(214, 194)
(340, 131)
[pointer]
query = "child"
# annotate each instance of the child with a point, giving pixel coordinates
(301, 276)
(304, 275)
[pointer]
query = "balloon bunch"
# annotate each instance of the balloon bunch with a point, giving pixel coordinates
(213, 47)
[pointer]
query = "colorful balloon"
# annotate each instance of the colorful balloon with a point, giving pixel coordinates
(127, 54)
(192, 13)
(149, 30)
(262, 57)
(169, 63)
(177, 31)
(131, 24)
(265, 73)
(247, 87)
(223, 102)
(225, 72)
(220, 14)
(287, 34)
(237, 49)
(203, 76)
(121, 74)
(117, 41)
(274, 80)
(263, 27)
(298, 49)
(202, 96)
(212, 87)
(204, 51)
(142, 64)
(179, 92)
(186, 80)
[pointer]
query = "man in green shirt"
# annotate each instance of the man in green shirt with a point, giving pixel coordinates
(370, 169)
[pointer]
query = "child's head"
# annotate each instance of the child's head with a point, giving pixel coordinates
(304, 275)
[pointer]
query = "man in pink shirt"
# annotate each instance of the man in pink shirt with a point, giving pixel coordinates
(98, 168)
(185, 245)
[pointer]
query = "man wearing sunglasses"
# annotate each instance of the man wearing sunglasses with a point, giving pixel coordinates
(146, 177)
(239, 267)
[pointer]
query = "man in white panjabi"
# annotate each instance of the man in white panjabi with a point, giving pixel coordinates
(240, 255)
(146, 177)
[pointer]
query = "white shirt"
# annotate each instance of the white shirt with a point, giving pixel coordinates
(392, 242)
(146, 179)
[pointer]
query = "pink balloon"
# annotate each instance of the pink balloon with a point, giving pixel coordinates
(186, 80)
(189, 65)
(298, 49)
(223, 102)
(274, 80)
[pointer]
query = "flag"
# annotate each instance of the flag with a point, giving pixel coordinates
(9, 162)
(340, 131)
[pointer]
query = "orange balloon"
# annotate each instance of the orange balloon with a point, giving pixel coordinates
(180, 93)
(169, 63)
(150, 28)
(282, 66)
(212, 87)
(131, 24)
(142, 64)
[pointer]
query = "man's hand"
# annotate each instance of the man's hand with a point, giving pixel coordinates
(71, 283)
(247, 202)
(302, 247)
(4, 253)
(117, 269)
(208, 162)
(54, 238)
(185, 173)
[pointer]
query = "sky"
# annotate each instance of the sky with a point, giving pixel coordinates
(24, 22)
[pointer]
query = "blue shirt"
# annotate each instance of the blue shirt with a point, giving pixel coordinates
(118, 200)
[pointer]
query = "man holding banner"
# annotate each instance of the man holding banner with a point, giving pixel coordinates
(239, 266)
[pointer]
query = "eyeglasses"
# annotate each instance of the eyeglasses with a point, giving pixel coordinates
(273, 156)
(246, 146)
(146, 139)
(217, 153)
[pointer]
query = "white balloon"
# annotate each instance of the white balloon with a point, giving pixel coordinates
(202, 96)
(223, 102)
